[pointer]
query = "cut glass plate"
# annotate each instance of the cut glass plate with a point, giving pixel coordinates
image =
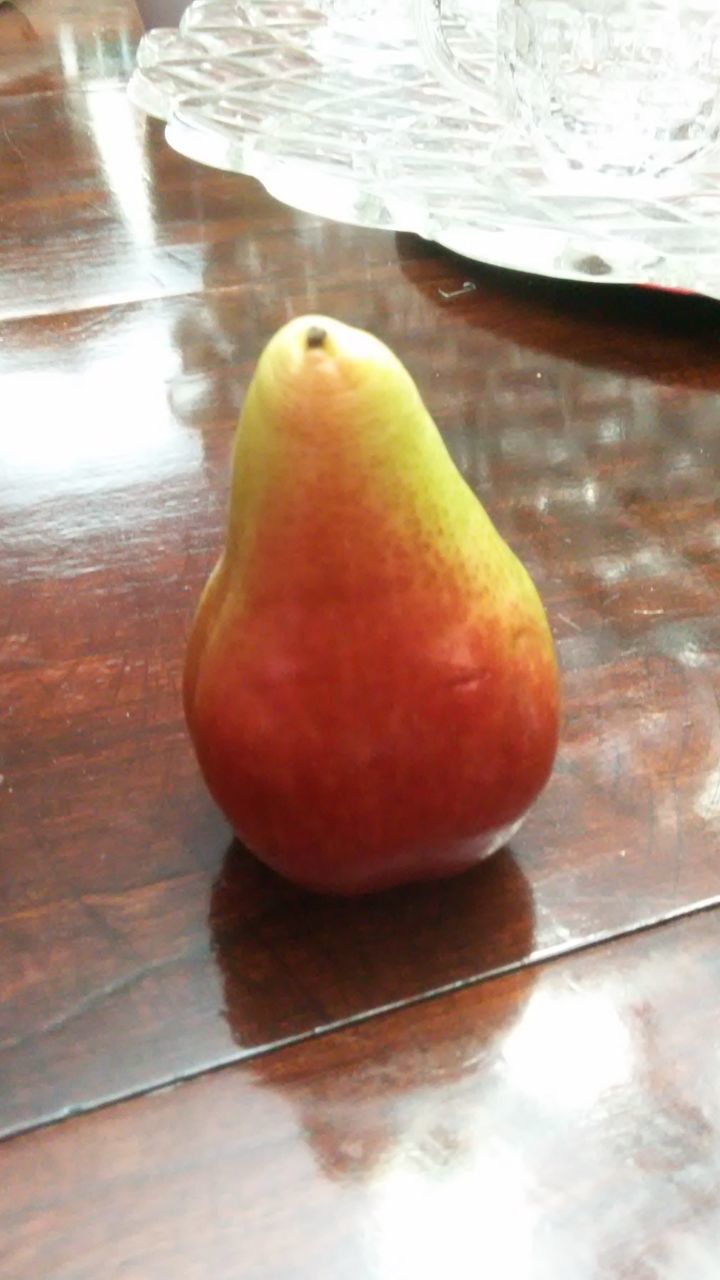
(363, 133)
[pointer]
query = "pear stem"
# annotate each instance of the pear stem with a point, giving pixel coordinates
(315, 337)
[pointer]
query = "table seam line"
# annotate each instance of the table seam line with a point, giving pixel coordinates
(550, 956)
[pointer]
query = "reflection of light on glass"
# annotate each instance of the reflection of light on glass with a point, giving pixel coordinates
(644, 562)
(473, 1220)
(693, 654)
(656, 559)
(67, 47)
(557, 451)
(710, 534)
(611, 429)
(611, 568)
(115, 128)
(590, 493)
(682, 460)
(568, 1050)
(707, 802)
(96, 425)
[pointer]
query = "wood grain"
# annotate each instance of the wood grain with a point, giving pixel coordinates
(560, 1122)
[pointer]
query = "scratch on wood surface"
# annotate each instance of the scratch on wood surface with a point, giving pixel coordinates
(568, 622)
(467, 287)
(12, 145)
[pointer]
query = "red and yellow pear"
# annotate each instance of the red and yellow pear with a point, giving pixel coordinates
(370, 681)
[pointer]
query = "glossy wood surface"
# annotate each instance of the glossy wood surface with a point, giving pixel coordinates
(549, 1124)
(138, 945)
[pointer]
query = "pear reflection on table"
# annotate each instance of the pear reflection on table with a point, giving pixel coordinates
(299, 963)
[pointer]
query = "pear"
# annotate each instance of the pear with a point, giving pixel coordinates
(370, 681)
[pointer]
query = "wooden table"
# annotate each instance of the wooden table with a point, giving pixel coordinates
(205, 1073)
